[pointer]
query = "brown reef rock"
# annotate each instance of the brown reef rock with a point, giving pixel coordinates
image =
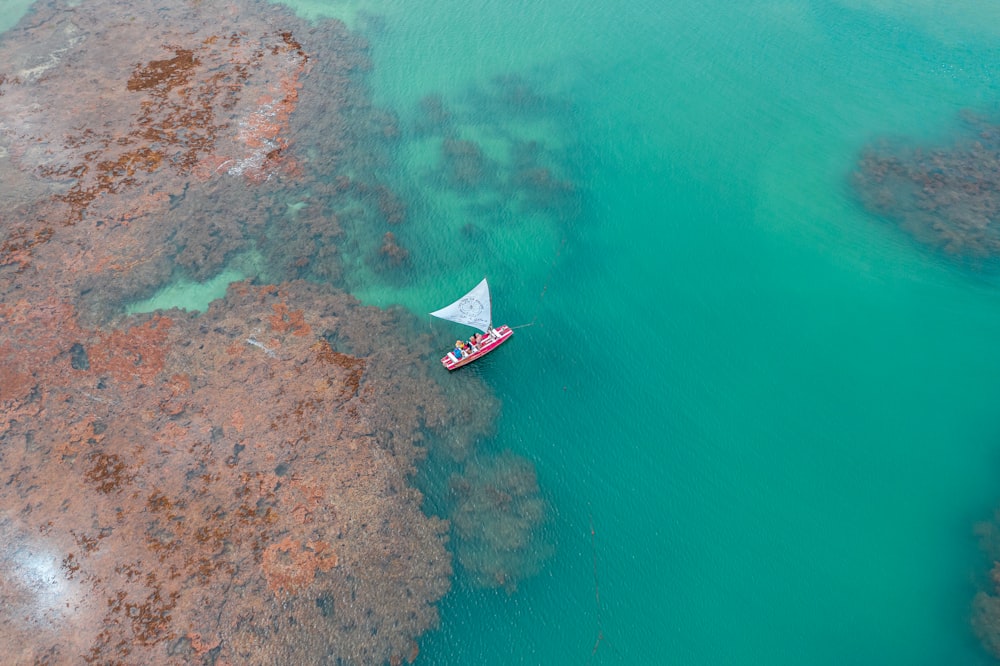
(986, 602)
(946, 197)
(224, 488)
(497, 512)
(230, 487)
(150, 138)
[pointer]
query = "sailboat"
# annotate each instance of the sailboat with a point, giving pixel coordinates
(473, 310)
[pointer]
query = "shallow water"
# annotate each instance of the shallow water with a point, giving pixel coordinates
(775, 411)
(763, 421)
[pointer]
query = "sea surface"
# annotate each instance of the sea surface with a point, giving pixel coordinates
(764, 421)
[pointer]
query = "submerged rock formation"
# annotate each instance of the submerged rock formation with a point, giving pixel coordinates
(947, 198)
(497, 513)
(527, 174)
(986, 603)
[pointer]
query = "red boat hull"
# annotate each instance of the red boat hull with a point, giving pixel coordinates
(501, 335)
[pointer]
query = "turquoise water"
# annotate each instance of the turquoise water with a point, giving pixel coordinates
(777, 413)
(763, 421)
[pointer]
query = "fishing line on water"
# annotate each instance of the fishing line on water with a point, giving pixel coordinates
(597, 591)
(545, 287)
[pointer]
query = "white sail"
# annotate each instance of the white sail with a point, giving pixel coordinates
(473, 309)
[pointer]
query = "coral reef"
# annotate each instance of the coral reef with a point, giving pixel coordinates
(158, 145)
(497, 512)
(235, 486)
(947, 198)
(230, 487)
(392, 252)
(986, 603)
(176, 154)
(529, 175)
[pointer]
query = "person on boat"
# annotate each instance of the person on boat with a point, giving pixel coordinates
(458, 351)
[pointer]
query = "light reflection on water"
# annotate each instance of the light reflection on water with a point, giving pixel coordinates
(40, 591)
